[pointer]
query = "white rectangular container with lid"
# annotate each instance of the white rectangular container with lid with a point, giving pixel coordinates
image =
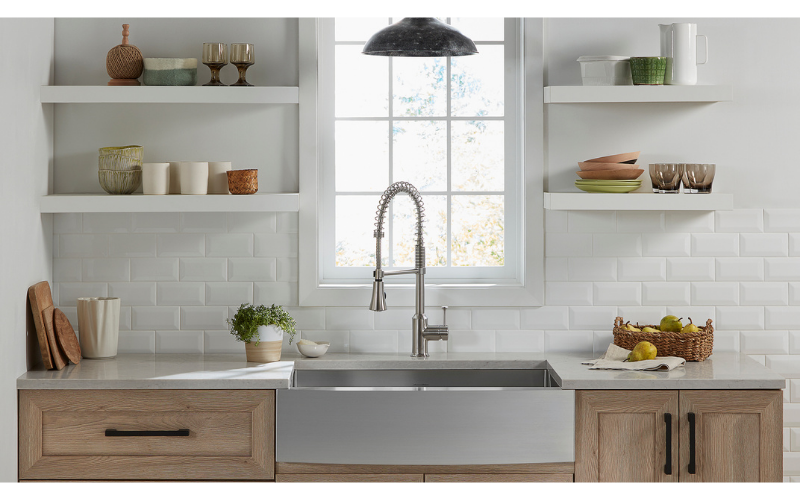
(605, 70)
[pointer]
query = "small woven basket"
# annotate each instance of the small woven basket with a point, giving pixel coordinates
(694, 346)
(243, 181)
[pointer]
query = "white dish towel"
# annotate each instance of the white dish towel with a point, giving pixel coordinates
(615, 356)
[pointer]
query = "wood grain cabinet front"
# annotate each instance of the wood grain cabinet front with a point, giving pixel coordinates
(146, 434)
(686, 435)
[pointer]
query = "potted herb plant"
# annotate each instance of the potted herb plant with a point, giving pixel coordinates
(262, 328)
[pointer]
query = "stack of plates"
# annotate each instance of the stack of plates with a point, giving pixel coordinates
(607, 186)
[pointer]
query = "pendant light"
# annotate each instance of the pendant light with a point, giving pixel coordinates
(419, 37)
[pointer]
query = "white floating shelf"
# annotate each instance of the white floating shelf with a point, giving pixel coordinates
(637, 201)
(167, 95)
(638, 93)
(85, 203)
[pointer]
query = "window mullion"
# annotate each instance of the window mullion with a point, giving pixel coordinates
(391, 160)
(449, 187)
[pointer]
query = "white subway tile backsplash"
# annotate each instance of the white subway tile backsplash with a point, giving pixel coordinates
(666, 244)
(791, 465)
(640, 222)
(715, 245)
(82, 245)
(740, 221)
(251, 222)
(592, 269)
(183, 341)
(545, 318)
(204, 318)
(69, 293)
(181, 294)
(699, 314)
(107, 223)
(155, 318)
(67, 223)
(286, 269)
(740, 269)
(288, 222)
(764, 342)
(562, 294)
(228, 293)
(156, 222)
(726, 341)
(156, 269)
(106, 270)
(591, 318)
(782, 269)
(132, 245)
(134, 294)
(794, 244)
(276, 245)
(592, 221)
(204, 269)
(690, 269)
(667, 294)
(199, 222)
(794, 439)
(791, 415)
(758, 358)
(506, 319)
(740, 318)
(568, 245)
(313, 318)
(689, 222)
(519, 341)
(398, 318)
(181, 245)
(616, 245)
(381, 341)
(555, 221)
(137, 343)
(251, 269)
(67, 270)
(125, 318)
(642, 269)
(643, 315)
(471, 341)
(618, 294)
(280, 293)
(781, 220)
(229, 245)
(764, 245)
(340, 340)
(600, 341)
(780, 317)
(786, 365)
(222, 342)
(794, 391)
(556, 269)
(349, 318)
(763, 294)
(711, 294)
(568, 341)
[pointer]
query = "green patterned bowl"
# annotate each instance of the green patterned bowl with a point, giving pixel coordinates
(120, 181)
(648, 70)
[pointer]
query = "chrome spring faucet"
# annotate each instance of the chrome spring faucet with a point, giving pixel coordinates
(421, 331)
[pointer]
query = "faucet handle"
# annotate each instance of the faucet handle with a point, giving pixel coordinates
(444, 315)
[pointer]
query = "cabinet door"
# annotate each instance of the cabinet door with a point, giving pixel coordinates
(626, 436)
(731, 436)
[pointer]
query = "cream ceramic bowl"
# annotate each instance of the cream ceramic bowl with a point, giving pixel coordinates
(313, 351)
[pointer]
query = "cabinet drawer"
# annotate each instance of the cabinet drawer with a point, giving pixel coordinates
(147, 434)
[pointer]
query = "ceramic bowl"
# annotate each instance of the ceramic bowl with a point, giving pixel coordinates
(589, 166)
(120, 181)
(313, 351)
(620, 158)
(615, 175)
(119, 162)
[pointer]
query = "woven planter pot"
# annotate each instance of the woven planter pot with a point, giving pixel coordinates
(264, 352)
(243, 181)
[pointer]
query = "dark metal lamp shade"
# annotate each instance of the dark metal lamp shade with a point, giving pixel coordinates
(419, 37)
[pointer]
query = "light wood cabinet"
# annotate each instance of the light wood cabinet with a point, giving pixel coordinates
(146, 434)
(693, 435)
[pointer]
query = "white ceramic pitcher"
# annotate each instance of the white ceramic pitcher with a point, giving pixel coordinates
(98, 326)
(679, 46)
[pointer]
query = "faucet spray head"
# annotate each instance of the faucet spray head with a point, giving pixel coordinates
(378, 302)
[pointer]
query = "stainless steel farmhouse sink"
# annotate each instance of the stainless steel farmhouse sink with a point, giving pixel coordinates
(425, 417)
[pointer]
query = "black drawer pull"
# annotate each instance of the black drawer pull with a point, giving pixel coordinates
(692, 465)
(116, 433)
(668, 465)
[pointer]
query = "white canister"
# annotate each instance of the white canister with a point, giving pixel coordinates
(194, 177)
(174, 177)
(218, 177)
(605, 70)
(155, 178)
(98, 326)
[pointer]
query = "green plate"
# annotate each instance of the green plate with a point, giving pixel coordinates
(607, 189)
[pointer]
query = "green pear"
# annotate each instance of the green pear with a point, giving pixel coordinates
(671, 324)
(690, 328)
(649, 329)
(643, 351)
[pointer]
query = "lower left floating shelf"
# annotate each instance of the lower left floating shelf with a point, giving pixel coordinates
(88, 203)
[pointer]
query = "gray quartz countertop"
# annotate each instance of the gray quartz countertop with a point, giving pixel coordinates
(231, 371)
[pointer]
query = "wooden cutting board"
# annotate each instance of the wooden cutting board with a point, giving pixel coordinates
(59, 360)
(66, 338)
(40, 297)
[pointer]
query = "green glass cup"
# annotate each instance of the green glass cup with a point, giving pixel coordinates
(648, 70)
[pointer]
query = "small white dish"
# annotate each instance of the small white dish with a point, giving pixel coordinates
(313, 351)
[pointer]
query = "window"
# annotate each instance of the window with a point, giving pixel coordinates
(447, 126)
(378, 120)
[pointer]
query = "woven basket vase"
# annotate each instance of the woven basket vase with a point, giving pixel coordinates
(125, 61)
(695, 346)
(243, 181)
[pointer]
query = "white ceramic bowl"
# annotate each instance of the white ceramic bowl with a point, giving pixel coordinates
(313, 351)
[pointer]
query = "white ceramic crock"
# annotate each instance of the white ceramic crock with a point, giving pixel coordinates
(218, 177)
(155, 178)
(269, 333)
(194, 177)
(605, 70)
(98, 326)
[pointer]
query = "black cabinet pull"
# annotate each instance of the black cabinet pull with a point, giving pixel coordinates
(668, 465)
(116, 433)
(692, 465)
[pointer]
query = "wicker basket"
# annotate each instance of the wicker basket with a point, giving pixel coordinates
(243, 181)
(695, 346)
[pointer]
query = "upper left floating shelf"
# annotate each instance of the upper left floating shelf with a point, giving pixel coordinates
(96, 94)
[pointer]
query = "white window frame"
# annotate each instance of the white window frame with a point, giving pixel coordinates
(525, 288)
